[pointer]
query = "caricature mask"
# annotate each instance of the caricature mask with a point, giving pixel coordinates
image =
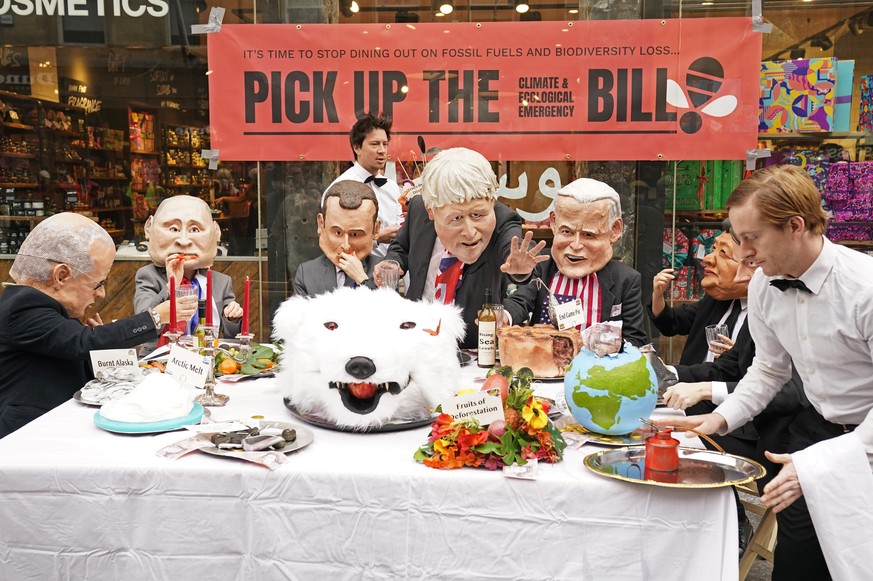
(183, 225)
(720, 271)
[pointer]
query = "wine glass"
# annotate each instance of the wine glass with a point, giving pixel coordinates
(187, 339)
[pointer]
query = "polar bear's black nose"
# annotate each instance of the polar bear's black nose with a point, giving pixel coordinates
(361, 367)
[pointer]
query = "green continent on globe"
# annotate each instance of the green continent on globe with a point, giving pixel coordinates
(630, 380)
(603, 408)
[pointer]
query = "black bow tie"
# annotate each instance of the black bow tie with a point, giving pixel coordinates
(783, 284)
(376, 180)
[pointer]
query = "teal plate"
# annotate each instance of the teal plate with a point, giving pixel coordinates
(150, 427)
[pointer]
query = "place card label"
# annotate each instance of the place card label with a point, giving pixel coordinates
(103, 360)
(569, 314)
(216, 427)
(483, 406)
(524, 472)
(187, 367)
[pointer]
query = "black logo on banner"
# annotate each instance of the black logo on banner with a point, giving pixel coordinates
(702, 83)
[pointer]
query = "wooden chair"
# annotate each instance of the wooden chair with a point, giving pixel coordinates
(763, 541)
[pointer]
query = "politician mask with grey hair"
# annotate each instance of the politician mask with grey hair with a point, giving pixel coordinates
(586, 222)
(183, 225)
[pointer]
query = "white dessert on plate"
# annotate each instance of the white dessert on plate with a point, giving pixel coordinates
(159, 397)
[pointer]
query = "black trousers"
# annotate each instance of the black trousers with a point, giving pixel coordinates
(798, 555)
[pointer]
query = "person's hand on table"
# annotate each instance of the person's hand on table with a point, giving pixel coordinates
(353, 267)
(705, 424)
(723, 344)
(522, 258)
(233, 310)
(684, 395)
(785, 487)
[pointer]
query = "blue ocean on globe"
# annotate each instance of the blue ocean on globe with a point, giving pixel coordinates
(608, 395)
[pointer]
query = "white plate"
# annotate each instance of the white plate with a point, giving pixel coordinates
(85, 401)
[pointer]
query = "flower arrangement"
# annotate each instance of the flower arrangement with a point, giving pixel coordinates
(525, 434)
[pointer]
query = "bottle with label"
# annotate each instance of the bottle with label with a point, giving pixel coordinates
(487, 354)
(200, 331)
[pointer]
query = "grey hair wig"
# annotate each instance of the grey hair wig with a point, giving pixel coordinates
(59, 239)
(586, 190)
(457, 175)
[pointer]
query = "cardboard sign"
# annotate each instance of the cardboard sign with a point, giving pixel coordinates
(569, 314)
(188, 367)
(649, 89)
(103, 360)
(483, 406)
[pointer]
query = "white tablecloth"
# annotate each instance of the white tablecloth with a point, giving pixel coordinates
(77, 502)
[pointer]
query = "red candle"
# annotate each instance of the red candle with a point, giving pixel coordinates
(245, 317)
(209, 297)
(172, 321)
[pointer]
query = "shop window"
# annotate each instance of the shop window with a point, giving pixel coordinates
(88, 29)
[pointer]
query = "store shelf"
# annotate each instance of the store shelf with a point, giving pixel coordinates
(118, 209)
(19, 185)
(21, 126)
(812, 136)
(22, 218)
(18, 155)
(152, 153)
(109, 178)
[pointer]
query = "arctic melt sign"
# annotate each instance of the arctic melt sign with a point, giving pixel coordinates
(134, 8)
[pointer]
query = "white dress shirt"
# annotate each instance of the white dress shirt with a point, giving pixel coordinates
(829, 335)
(387, 195)
(719, 388)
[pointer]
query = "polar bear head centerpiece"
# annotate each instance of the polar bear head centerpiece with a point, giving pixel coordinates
(359, 358)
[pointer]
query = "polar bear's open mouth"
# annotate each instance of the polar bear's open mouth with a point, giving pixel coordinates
(363, 397)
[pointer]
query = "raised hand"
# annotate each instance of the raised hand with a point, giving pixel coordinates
(522, 257)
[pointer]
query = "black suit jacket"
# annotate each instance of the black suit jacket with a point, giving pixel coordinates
(44, 353)
(413, 247)
(770, 427)
(619, 286)
(318, 276)
(691, 320)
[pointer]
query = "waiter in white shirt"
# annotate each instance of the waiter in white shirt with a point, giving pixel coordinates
(369, 138)
(811, 301)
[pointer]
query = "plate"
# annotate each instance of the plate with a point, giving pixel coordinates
(83, 400)
(388, 427)
(635, 438)
(149, 427)
(548, 379)
(697, 468)
(305, 436)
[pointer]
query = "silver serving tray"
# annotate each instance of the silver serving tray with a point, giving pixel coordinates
(697, 468)
(305, 436)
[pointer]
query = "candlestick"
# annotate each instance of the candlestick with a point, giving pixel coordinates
(209, 297)
(245, 318)
(172, 321)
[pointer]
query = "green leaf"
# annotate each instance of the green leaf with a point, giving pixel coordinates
(248, 369)
(422, 453)
(488, 447)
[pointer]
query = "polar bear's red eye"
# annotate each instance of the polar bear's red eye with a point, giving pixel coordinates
(330, 325)
(407, 325)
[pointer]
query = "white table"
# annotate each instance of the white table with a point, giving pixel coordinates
(77, 502)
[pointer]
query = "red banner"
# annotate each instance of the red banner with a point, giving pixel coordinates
(586, 90)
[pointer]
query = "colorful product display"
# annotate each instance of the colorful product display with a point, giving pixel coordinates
(865, 119)
(797, 95)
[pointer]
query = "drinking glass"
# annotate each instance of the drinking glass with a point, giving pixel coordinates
(185, 290)
(713, 331)
(388, 274)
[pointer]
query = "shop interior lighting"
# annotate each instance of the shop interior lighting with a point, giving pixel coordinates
(856, 25)
(797, 53)
(446, 8)
(822, 42)
(349, 8)
(521, 6)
